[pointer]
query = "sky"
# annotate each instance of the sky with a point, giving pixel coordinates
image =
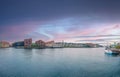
(68, 20)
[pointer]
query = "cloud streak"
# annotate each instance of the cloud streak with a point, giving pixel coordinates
(59, 19)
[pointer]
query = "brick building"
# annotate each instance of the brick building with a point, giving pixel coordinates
(27, 43)
(40, 44)
(49, 44)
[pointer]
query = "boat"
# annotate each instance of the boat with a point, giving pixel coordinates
(111, 52)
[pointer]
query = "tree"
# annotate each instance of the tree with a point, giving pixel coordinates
(117, 46)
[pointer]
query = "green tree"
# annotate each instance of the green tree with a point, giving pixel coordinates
(117, 46)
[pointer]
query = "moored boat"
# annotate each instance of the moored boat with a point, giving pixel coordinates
(110, 52)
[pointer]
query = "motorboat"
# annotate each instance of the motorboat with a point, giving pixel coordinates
(110, 51)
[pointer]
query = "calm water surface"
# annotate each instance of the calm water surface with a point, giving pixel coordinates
(66, 62)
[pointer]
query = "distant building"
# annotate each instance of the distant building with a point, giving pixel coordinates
(40, 44)
(91, 45)
(27, 43)
(58, 45)
(4, 44)
(19, 44)
(49, 44)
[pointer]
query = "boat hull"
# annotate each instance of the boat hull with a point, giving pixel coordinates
(110, 52)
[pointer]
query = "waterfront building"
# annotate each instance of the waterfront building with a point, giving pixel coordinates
(91, 45)
(49, 44)
(40, 44)
(74, 45)
(19, 44)
(27, 43)
(58, 45)
(4, 44)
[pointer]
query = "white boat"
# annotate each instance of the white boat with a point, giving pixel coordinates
(110, 52)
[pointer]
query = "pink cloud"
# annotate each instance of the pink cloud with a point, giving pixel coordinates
(106, 30)
(67, 36)
(18, 31)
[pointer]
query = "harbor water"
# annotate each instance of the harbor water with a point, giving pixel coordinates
(59, 62)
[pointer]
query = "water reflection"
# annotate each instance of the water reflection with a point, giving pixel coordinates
(28, 53)
(63, 62)
(39, 51)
